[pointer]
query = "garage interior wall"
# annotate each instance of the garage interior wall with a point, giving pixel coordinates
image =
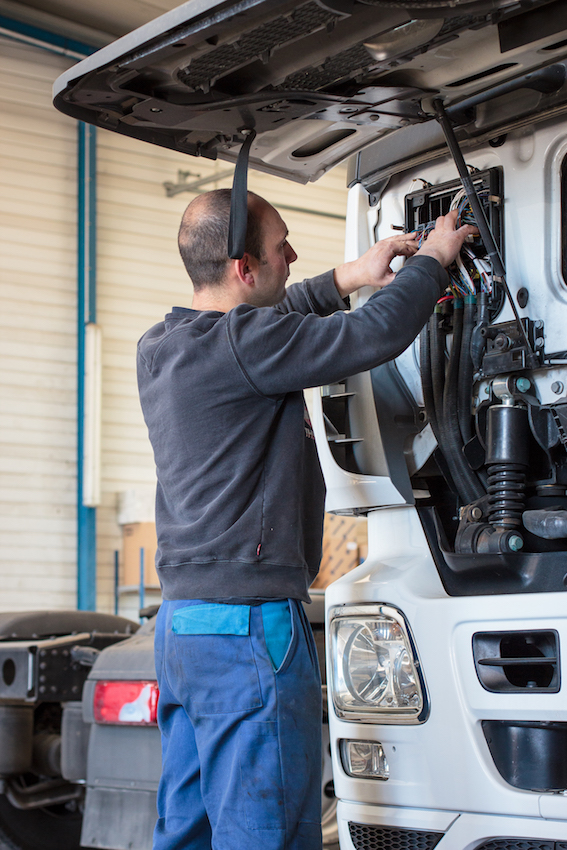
(139, 277)
(38, 213)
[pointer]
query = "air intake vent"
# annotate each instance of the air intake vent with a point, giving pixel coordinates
(366, 837)
(513, 662)
(335, 401)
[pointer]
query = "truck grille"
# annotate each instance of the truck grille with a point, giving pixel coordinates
(365, 837)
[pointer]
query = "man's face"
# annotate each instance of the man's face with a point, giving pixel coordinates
(272, 270)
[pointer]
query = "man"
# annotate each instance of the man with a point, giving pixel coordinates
(239, 512)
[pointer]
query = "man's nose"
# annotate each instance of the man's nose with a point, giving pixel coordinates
(290, 256)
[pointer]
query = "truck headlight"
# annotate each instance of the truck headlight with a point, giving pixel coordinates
(375, 672)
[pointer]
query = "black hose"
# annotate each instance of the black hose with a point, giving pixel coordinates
(451, 435)
(465, 480)
(466, 370)
(437, 360)
(478, 341)
(450, 417)
(427, 380)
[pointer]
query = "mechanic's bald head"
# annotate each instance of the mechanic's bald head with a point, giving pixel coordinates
(203, 236)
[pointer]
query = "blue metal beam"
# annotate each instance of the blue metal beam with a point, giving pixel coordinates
(86, 312)
(51, 41)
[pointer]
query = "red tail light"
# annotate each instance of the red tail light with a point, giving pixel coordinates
(130, 703)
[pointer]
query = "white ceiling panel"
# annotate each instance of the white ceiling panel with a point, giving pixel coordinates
(104, 16)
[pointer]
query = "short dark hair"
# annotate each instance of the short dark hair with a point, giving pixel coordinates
(203, 237)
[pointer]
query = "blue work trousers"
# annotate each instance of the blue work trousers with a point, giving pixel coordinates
(241, 733)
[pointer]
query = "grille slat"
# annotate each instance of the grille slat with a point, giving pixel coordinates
(518, 661)
(521, 844)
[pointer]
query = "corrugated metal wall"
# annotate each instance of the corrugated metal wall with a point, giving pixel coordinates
(140, 277)
(37, 335)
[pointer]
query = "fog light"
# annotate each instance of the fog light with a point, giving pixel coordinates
(364, 759)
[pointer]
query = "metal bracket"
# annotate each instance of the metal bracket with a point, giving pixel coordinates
(172, 189)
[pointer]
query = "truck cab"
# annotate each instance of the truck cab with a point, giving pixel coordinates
(444, 646)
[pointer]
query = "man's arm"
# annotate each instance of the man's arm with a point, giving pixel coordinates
(290, 352)
(317, 295)
(373, 269)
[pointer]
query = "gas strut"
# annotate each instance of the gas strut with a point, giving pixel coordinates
(481, 221)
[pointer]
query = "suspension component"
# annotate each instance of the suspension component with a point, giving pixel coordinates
(506, 487)
(507, 462)
(492, 524)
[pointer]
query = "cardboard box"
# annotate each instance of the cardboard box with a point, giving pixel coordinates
(137, 536)
(344, 547)
(343, 537)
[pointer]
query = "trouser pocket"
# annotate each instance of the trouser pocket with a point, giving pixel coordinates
(214, 658)
(261, 775)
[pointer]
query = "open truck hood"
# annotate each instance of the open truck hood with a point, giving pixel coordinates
(322, 79)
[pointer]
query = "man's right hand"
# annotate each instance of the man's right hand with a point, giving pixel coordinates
(444, 242)
(373, 267)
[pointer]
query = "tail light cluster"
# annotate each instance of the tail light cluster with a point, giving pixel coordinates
(126, 702)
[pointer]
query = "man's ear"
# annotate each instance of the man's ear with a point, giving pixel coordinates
(244, 270)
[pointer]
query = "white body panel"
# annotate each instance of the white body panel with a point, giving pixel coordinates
(426, 760)
(442, 776)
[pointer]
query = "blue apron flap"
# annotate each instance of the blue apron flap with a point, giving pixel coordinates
(212, 619)
(277, 630)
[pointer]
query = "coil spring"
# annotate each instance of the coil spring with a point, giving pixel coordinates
(506, 488)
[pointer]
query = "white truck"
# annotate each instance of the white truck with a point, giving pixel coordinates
(447, 705)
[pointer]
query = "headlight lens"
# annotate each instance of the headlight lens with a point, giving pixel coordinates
(375, 671)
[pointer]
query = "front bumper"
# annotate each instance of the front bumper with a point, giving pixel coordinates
(371, 827)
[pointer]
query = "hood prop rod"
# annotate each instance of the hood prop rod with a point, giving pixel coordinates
(239, 200)
(480, 217)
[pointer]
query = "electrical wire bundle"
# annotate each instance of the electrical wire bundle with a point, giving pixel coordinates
(469, 274)
(447, 374)
(470, 269)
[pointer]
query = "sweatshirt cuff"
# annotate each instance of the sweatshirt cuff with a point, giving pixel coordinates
(325, 295)
(432, 267)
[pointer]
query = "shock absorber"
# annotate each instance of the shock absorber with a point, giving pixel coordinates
(507, 462)
(493, 525)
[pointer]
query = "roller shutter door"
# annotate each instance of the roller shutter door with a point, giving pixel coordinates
(37, 336)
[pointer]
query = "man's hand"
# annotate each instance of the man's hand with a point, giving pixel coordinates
(373, 268)
(444, 242)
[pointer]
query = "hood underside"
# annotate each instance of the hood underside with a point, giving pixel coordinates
(322, 79)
